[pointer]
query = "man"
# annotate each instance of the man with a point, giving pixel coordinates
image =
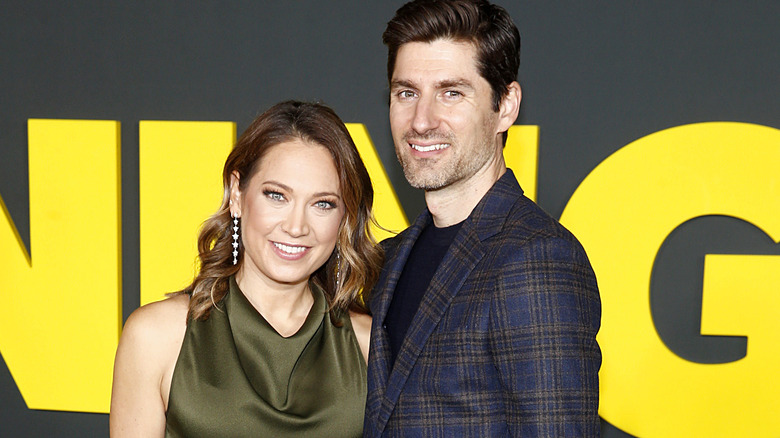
(486, 312)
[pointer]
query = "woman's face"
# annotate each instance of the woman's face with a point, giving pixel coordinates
(290, 213)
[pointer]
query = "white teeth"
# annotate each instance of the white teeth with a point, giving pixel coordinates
(290, 249)
(433, 147)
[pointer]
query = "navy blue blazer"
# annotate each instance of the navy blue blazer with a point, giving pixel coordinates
(504, 341)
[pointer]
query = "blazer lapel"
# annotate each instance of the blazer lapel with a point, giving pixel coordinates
(380, 357)
(460, 260)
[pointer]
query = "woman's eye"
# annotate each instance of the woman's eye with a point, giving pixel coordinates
(324, 205)
(275, 196)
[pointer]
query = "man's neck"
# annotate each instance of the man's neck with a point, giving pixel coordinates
(453, 204)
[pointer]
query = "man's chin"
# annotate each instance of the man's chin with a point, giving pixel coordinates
(425, 183)
(425, 175)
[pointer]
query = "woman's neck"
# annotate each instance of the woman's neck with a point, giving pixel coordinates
(284, 306)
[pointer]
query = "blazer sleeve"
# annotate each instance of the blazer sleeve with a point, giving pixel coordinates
(544, 320)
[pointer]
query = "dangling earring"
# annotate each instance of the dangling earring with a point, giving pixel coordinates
(338, 267)
(235, 239)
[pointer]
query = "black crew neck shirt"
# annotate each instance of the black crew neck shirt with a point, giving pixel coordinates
(425, 257)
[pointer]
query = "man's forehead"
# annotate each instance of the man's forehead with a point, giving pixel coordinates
(439, 61)
(439, 44)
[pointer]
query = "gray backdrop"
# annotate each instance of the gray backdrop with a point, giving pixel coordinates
(596, 75)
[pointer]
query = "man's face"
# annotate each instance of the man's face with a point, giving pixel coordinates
(441, 115)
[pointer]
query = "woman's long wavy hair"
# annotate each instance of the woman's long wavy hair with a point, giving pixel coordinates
(361, 258)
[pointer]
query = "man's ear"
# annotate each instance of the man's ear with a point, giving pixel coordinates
(509, 108)
(235, 194)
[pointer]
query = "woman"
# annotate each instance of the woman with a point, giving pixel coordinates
(271, 338)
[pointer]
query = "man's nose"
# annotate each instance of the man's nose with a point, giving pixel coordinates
(425, 115)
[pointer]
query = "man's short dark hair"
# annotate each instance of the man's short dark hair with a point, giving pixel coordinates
(479, 22)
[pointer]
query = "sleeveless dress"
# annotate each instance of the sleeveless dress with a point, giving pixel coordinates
(237, 377)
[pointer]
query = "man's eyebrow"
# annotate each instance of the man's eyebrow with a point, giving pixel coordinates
(401, 83)
(446, 83)
(454, 83)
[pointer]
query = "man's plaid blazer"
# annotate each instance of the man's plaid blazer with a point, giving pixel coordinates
(504, 341)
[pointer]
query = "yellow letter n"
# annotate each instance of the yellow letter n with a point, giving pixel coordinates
(59, 324)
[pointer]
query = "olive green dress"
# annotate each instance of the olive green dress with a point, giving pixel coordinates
(237, 377)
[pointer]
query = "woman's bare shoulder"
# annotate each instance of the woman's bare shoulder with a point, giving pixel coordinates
(156, 330)
(160, 317)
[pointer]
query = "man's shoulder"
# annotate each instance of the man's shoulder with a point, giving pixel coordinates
(505, 212)
(527, 225)
(531, 220)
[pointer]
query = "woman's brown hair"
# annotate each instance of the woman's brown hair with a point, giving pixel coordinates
(360, 257)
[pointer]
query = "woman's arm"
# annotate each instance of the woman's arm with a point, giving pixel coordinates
(143, 367)
(361, 324)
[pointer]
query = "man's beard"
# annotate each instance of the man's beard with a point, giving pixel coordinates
(431, 174)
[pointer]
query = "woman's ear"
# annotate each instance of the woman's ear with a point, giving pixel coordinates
(235, 194)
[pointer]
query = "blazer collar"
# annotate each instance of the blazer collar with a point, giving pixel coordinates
(490, 214)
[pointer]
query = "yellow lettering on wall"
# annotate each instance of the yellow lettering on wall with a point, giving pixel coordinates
(521, 154)
(387, 208)
(180, 186)
(741, 296)
(59, 324)
(622, 212)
